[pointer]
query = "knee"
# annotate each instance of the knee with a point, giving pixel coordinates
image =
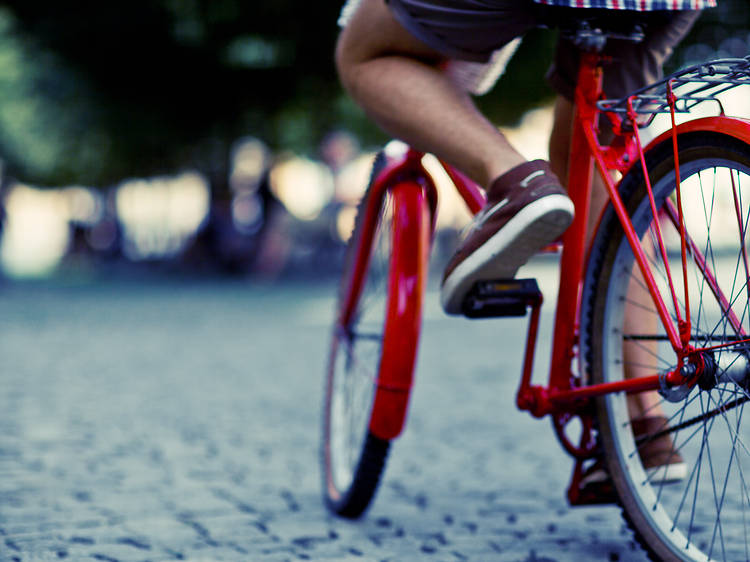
(346, 62)
(342, 61)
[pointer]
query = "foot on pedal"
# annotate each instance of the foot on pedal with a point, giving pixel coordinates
(526, 210)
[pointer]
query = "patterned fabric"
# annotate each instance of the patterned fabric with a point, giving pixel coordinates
(639, 5)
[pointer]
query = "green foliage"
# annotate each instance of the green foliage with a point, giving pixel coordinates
(95, 92)
(35, 91)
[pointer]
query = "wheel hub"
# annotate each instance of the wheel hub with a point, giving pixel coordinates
(723, 367)
(706, 370)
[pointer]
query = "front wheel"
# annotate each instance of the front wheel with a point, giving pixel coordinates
(701, 509)
(374, 342)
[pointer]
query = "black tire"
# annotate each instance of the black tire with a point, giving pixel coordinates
(700, 517)
(353, 459)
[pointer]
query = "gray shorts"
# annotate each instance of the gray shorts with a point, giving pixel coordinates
(473, 29)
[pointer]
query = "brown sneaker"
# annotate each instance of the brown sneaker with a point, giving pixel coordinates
(526, 209)
(660, 459)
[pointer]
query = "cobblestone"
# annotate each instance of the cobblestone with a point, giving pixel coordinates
(179, 421)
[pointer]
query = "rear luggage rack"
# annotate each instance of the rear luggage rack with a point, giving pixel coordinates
(692, 86)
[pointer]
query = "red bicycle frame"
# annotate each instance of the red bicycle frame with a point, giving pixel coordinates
(564, 397)
(621, 155)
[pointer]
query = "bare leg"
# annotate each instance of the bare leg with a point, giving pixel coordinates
(398, 81)
(559, 151)
(640, 356)
(637, 356)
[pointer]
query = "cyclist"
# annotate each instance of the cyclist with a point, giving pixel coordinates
(392, 57)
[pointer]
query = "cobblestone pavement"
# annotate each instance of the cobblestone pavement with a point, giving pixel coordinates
(179, 421)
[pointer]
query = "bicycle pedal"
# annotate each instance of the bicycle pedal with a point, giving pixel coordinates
(503, 297)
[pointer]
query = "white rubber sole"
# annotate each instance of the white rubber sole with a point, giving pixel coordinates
(667, 474)
(532, 228)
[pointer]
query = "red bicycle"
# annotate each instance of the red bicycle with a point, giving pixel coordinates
(659, 302)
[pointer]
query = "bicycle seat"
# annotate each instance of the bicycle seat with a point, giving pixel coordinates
(590, 29)
(590, 37)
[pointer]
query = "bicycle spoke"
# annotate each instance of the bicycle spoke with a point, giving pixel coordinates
(717, 520)
(665, 364)
(724, 416)
(639, 282)
(676, 448)
(742, 227)
(354, 370)
(708, 277)
(694, 475)
(725, 318)
(644, 366)
(367, 336)
(641, 306)
(735, 437)
(666, 277)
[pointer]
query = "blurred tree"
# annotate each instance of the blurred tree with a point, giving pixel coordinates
(95, 92)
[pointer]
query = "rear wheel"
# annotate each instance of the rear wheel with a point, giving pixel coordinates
(374, 343)
(706, 513)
